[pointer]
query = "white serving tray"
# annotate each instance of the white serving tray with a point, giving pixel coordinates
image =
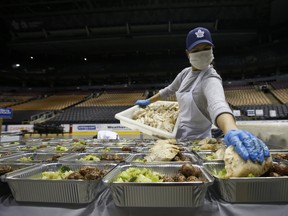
(125, 118)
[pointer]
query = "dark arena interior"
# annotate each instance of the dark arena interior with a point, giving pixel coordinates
(67, 67)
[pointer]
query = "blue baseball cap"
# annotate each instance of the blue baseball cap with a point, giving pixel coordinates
(197, 36)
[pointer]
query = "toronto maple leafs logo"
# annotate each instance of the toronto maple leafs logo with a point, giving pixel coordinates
(199, 33)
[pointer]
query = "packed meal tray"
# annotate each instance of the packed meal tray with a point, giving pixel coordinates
(182, 157)
(271, 187)
(116, 157)
(158, 185)
(5, 153)
(158, 119)
(58, 183)
(9, 144)
(124, 149)
(33, 157)
(8, 167)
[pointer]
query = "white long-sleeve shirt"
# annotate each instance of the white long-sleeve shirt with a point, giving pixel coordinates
(208, 94)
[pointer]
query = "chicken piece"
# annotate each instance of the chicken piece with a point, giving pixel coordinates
(162, 151)
(219, 154)
(237, 167)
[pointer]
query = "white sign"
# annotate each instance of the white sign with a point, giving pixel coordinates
(259, 112)
(250, 112)
(19, 128)
(237, 112)
(272, 113)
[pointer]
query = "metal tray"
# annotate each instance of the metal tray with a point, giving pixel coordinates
(26, 187)
(37, 157)
(248, 190)
(77, 156)
(162, 194)
(192, 157)
(108, 149)
(4, 187)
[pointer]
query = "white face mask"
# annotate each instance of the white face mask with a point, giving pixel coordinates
(201, 59)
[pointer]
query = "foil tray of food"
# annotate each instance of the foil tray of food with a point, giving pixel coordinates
(158, 119)
(158, 185)
(124, 149)
(33, 157)
(8, 167)
(272, 186)
(180, 157)
(58, 182)
(115, 157)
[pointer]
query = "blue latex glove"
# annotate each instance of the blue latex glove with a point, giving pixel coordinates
(247, 145)
(142, 102)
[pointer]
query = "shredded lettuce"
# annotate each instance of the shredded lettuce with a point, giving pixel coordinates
(133, 174)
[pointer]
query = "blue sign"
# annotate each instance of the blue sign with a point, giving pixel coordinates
(6, 113)
(87, 127)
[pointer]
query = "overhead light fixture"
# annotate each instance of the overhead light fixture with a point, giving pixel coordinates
(15, 65)
(31, 57)
(85, 59)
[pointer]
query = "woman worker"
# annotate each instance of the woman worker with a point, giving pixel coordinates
(201, 100)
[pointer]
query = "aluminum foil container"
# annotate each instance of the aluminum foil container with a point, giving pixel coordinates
(157, 194)
(4, 187)
(36, 157)
(181, 148)
(138, 156)
(123, 149)
(248, 189)
(28, 187)
(75, 157)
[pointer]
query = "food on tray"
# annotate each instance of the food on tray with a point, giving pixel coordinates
(5, 169)
(54, 157)
(80, 148)
(126, 148)
(281, 156)
(163, 150)
(180, 157)
(84, 173)
(211, 144)
(106, 149)
(187, 173)
(113, 157)
(160, 116)
(90, 157)
(29, 148)
(26, 159)
(236, 166)
(140, 160)
(61, 148)
(278, 169)
(218, 155)
(3, 154)
(62, 173)
(134, 174)
(77, 142)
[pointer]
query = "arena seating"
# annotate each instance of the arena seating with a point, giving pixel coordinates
(101, 106)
